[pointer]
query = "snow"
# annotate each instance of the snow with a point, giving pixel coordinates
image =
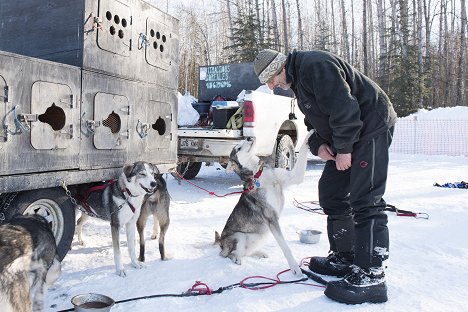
(447, 113)
(427, 269)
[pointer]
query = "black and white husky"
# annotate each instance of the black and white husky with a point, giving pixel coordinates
(28, 263)
(260, 206)
(120, 203)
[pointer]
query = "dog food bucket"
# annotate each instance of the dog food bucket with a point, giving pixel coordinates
(92, 303)
(309, 236)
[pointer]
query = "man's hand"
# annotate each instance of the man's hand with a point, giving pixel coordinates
(343, 161)
(325, 152)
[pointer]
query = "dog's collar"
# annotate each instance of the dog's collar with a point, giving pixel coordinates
(253, 183)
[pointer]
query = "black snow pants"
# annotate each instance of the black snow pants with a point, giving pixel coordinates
(353, 201)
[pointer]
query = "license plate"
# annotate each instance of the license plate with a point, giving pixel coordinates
(186, 143)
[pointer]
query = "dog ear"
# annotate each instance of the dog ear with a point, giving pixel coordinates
(128, 171)
(217, 238)
(155, 170)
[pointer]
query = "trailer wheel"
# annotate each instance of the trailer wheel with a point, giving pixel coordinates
(189, 170)
(284, 155)
(53, 205)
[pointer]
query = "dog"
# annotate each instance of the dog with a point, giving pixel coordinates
(156, 204)
(28, 263)
(260, 204)
(119, 202)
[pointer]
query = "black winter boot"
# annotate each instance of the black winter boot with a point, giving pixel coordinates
(336, 264)
(359, 286)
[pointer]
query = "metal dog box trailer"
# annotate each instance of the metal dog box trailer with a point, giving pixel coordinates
(85, 88)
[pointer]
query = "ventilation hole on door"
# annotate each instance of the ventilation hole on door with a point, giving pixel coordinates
(155, 45)
(108, 15)
(113, 122)
(54, 116)
(160, 126)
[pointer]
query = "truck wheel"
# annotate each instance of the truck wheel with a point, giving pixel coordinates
(189, 170)
(284, 156)
(53, 205)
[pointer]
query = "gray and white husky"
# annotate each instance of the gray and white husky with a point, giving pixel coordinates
(120, 203)
(156, 204)
(28, 263)
(260, 206)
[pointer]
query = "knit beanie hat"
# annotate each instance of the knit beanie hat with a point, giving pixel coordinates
(268, 63)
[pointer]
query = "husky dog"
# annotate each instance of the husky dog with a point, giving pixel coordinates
(156, 204)
(28, 263)
(120, 203)
(260, 205)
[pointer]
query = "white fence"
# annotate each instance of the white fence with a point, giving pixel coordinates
(431, 137)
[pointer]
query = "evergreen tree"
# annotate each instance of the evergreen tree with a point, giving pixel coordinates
(246, 40)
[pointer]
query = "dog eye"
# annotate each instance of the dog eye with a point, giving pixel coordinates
(142, 174)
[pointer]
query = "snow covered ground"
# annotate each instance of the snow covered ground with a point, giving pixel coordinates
(427, 269)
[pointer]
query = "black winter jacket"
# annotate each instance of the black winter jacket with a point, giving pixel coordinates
(339, 102)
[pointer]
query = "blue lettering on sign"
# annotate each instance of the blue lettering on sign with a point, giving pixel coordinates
(218, 77)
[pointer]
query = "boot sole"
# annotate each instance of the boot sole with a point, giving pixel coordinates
(376, 299)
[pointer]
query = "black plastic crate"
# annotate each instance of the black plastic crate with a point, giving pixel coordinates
(221, 116)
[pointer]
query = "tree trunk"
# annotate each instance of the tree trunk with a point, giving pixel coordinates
(365, 62)
(460, 98)
(420, 54)
(285, 28)
(274, 25)
(344, 40)
(300, 31)
(382, 71)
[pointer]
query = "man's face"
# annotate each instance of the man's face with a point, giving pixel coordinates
(279, 81)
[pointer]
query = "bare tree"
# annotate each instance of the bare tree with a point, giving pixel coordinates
(382, 71)
(364, 38)
(274, 24)
(300, 31)
(344, 37)
(460, 98)
(285, 27)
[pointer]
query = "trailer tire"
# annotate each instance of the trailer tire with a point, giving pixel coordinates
(284, 153)
(189, 170)
(53, 204)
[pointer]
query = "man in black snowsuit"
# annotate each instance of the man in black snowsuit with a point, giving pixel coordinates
(353, 120)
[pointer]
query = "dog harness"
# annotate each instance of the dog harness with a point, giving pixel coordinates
(83, 199)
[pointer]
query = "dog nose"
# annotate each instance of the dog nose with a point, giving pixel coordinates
(153, 184)
(249, 139)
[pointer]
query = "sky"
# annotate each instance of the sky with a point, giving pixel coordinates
(427, 269)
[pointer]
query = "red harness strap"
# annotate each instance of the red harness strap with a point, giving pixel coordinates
(83, 199)
(126, 190)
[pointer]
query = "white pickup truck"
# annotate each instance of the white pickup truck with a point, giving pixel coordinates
(274, 120)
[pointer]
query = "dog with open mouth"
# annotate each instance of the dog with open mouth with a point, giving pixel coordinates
(259, 207)
(118, 201)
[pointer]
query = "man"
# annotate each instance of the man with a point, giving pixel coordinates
(353, 121)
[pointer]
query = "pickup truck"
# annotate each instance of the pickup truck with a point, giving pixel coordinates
(274, 120)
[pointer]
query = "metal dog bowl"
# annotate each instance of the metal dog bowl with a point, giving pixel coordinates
(92, 302)
(309, 236)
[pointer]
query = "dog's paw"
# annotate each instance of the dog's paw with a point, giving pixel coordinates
(82, 243)
(137, 265)
(154, 236)
(121, 272)
(308, 136)
(296, 270)
(260, 254)
(235, 259)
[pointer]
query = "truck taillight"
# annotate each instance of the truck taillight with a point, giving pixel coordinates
(249, 114)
